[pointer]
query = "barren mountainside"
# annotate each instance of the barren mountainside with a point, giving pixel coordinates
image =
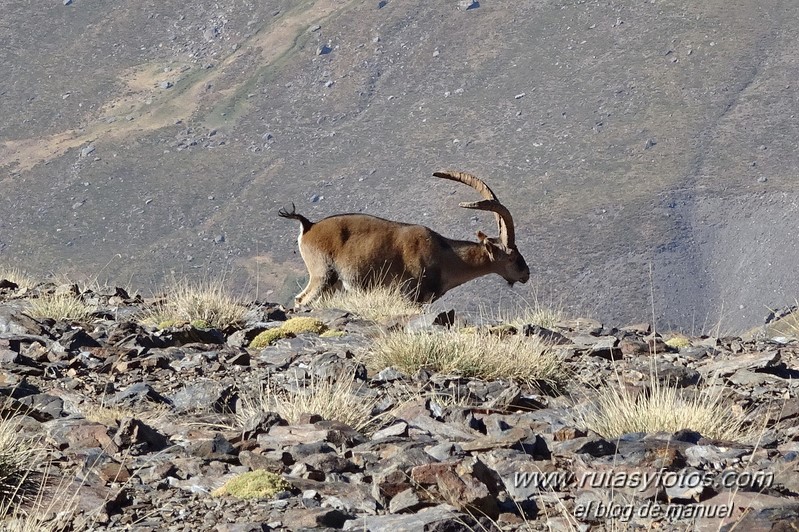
(646, 149)
(196, 411)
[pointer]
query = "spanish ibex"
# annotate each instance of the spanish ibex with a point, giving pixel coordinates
(349, 250)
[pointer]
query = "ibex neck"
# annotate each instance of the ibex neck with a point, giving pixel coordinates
(474, 262)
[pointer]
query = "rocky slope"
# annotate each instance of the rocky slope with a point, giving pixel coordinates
(643, 147)
(140, 426)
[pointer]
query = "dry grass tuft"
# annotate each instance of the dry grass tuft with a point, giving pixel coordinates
(376, 303)
(110, 416)
(61, 306)
(17, 276)
(34, 496)
(534, 313)
(787, 326)
(31, 498)
(665, 408)
(792, 324)
(206, 302)
(18, 457)
(336, 401)
(50, 507)
(478, 354)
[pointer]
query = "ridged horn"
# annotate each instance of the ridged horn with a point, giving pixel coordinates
(507, 235)
(489, 203)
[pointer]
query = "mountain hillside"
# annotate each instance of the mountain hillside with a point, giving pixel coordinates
(646, 149)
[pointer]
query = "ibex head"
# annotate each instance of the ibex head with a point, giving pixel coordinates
(502, 251)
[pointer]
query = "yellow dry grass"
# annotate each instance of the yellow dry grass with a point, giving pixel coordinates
(60, 306)
(376, 303)
(207, 302)
(477, 354)
(664, 408)
(339, 400)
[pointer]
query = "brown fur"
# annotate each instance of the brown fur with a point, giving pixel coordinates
(349, 250)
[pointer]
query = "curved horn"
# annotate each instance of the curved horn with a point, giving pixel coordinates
(468, 179)
(507, 234)
(489, 203)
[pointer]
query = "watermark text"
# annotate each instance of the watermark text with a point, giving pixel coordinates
(643, 480)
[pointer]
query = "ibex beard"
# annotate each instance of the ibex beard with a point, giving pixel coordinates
(358, 250)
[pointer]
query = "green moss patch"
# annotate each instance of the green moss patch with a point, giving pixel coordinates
(258, 484)
(304, 325)
(678, 341)
(289, 329)
(267, 337)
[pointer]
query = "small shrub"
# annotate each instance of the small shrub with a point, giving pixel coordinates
(532, 314)
(289, 329)
(477, 354)
(299, 325)
(257, 484)
(332, 333)
(60, 307)
(17, 459)
(335, 401)
(34, 496)
(267, 337)
(792, 324)
(665, 408)
(787, 326)
(112, 415)
(205, 303)
(678, 341)
(376, 303)
(17, 276)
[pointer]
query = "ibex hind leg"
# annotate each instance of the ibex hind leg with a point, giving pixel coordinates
(317, 287)
(300, 298)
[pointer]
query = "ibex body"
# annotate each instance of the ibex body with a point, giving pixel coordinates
(349, 250)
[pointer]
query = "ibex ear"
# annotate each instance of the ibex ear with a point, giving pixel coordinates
(489, 247)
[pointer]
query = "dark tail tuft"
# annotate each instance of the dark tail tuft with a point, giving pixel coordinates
(306, 223)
